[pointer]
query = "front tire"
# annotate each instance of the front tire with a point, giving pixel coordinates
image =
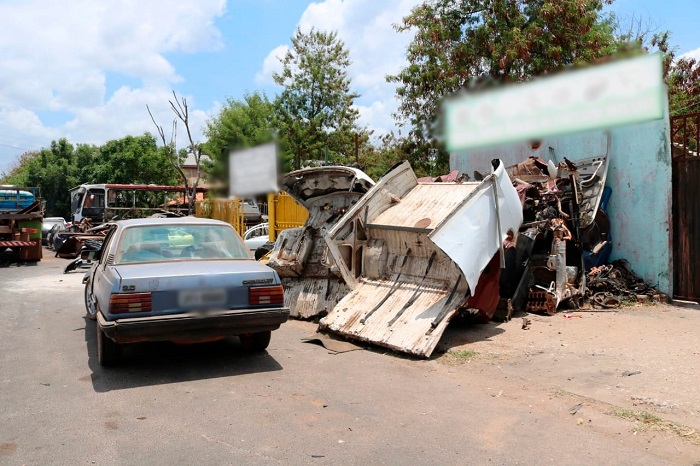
(256, 341)
(108, 352)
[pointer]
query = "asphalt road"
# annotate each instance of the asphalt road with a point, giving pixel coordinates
(294, 404)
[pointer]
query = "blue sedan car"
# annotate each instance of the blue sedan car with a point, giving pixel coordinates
(187, 279)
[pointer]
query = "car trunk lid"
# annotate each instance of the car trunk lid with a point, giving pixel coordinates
(200, 285)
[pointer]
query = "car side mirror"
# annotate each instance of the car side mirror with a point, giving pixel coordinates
(89, 255)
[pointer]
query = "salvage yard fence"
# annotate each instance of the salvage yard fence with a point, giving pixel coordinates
(281, 209)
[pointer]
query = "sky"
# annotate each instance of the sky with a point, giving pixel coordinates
(86, 70)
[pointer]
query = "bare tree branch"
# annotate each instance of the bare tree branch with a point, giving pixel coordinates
(171, 151)
(181, 110)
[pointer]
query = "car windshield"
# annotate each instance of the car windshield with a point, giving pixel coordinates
(170, 242)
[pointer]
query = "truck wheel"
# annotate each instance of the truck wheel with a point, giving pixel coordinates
(108, 352)
(89, 304)
(256, 341)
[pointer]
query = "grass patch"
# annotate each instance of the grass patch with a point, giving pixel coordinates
(633, 415)
(558, 391)
(461, 355)
(648, 421)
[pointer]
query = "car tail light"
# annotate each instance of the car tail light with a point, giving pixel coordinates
(266, 295)
(130, 302)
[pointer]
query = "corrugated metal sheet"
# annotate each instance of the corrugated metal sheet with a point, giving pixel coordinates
(412, 330)
(283, 213)
(405, 287)
(227, 210)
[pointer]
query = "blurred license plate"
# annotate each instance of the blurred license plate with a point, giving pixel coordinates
(196, 298)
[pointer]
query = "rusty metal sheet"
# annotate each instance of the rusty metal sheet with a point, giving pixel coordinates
(309, 297)
(416, 330)
(401, 251)
(425, 206)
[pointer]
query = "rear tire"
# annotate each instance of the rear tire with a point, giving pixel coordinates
(108, 351)
(90, 308)
(256, 341)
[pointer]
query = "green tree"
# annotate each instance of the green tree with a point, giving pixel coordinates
(457, 42)
(378, 156)
(129, 160)
(239, 123)
(55, 172)
(132, 160)
(315, 112)
(17, 174)
(682, 75)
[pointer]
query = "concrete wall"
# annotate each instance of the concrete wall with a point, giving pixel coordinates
(640, 176)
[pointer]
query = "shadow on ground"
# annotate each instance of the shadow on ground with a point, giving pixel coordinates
(161, 363)
(464, 330)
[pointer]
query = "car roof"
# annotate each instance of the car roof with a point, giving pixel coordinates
(54, 219)
(169, 221)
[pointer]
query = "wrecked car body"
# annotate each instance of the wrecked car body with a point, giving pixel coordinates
(312, 284)
(412, 253)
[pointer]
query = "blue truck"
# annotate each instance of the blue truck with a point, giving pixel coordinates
(21, 215)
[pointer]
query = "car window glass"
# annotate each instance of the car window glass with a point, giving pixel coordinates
(170, 242)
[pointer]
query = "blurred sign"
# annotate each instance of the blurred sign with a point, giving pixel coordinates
(601, 96)
(253, 171)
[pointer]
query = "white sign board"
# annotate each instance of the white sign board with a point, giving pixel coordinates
(253, 171)
(598, 97)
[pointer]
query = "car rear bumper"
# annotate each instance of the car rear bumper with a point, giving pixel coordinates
(192, 326)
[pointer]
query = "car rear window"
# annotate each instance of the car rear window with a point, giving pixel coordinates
(163, 243)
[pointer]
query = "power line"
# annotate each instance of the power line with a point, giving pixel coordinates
(14, 147)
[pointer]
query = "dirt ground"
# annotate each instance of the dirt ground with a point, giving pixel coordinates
(587, 387)
(640, 363)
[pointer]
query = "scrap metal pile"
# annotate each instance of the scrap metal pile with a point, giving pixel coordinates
(560, 255)
(563, 229)
(611, 284)
(414, 254)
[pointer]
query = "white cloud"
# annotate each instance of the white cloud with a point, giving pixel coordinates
(692, 54)
(125, 114)
(376, 49)
(377, 116)
(58, 56)
(271, 65)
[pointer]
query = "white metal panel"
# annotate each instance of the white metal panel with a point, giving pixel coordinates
(471, 236)
(430, 202)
